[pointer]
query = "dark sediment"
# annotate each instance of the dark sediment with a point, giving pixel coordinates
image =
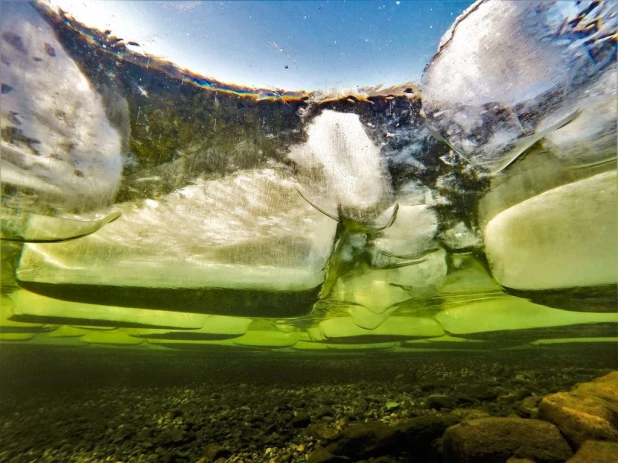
(95, 404)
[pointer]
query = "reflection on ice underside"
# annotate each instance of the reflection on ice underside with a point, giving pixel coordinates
(142, 206)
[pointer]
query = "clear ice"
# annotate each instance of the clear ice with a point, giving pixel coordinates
(355, 231)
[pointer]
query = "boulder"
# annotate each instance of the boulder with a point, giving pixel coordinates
(322, 431)
(493, 440)
(418, 434)
(440, 401)
(301, 420)
(467, 414)
(375, 439)
(321, 455)
(214, 451)
(361, 440)
(588, 412)
(596, 452)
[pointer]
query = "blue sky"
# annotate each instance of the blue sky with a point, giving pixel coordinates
(324, 44)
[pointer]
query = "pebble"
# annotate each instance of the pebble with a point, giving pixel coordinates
(440, 401)
(392, 405)
(259, 420)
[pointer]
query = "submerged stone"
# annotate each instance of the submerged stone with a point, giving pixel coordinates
(588, 412)
(593, 451)
(489, 440)
(361, 440)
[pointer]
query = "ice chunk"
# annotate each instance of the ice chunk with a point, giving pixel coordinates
(311, 346)
(36, 228)
(226, 325)
(461, 237)
(549, 342)
(470, 65)
(518, 50)
(562, 238)
(509, 73)
(245, 245)
(17, 337)
(539, 171)
(370, 288)
(8, 325)
(225, 345)
(448, 343)
(342, 166)
(60, 154)
(355, 345)
(412, 233)
(65, 331)
(377, 290)
(591, 137)
(365, 318)
(468, 281)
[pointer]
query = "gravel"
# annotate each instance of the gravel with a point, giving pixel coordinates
(114, 405)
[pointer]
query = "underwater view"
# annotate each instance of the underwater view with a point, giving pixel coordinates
(422, 269)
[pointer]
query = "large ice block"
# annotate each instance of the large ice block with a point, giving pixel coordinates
(537, 172)
(509, 73)
(591, 137)
(565, 237)
(60, 154)
(342, 167)
(245, 245)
